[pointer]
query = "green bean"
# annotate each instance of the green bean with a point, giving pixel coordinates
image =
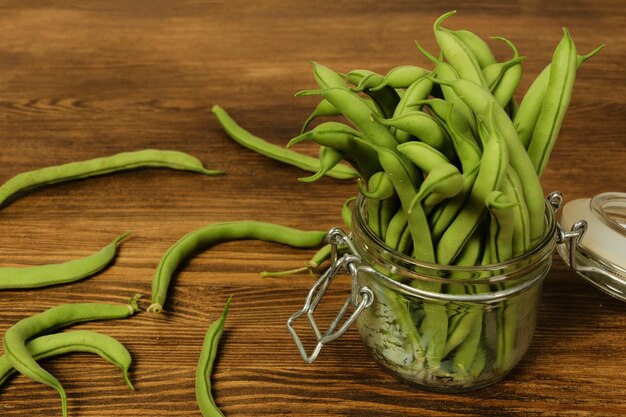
(504, 87)
(380, 211)
(107, 347)
(363, 80)
(467, 351)
(501, 226)
(555, 103)
(530, 107)
(512, 188)
(341, 137)
(56, 317)
(462, 327)
(326, 77)
(479, 363)
(324, 252)
(245, 138)
(472, 251)
(478, 47)
(61, 273)
(422, 126)
(401, 77)
(321, 256)
(446, 113)
(434, 331)
(493, 167)
(396, 229)
(329, 158)
(416, 92)
(323, 108)
(481, 101)
(379, 187)
(220, 232)
(458, 54)
(423, 155)
(445, 72)
(445, 215)
(444, 181)
(399, 173)
(204, 397)
(355, 110)
(458, 130)
(385, 98)
(346, 211)
(463, 141)
(29, 180)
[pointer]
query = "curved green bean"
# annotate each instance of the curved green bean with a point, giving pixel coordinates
(212, 234)
(401, 77)
(255, 143)
(341, 137)
(444, 72)
(15, 338)
(479, 48)
(504, 87)
(379, 187)
(385, 99)
(424, 127)
(458, 54)
(29, 180)
(204, 397)
(354, 109)
(61, 273)
(323, 108)
(107, 347)
(329, 158)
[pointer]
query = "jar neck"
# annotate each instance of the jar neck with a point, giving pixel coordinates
(375, 252)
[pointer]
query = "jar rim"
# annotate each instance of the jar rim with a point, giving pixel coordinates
(543, 244)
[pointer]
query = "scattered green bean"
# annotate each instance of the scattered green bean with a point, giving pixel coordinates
(15, 338)
(61, 273)
(29, 180)
(204, 396)
(105, 346)
(245, 138)
(212, 234)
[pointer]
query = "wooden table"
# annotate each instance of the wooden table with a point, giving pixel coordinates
(87, 79)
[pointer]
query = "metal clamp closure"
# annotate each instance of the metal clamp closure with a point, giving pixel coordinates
(347, 263)
(571, 237)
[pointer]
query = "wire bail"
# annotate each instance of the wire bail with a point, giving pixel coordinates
(346, 263)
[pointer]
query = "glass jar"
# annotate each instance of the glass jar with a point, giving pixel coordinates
(443, 328)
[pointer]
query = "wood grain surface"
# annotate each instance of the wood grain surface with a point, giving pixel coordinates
(82, 79)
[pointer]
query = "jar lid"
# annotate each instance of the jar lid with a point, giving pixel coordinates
(600, 251)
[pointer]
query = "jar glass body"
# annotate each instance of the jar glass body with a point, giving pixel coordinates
(449, 328)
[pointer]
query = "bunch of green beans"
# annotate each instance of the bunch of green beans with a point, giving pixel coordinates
(449, 163)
